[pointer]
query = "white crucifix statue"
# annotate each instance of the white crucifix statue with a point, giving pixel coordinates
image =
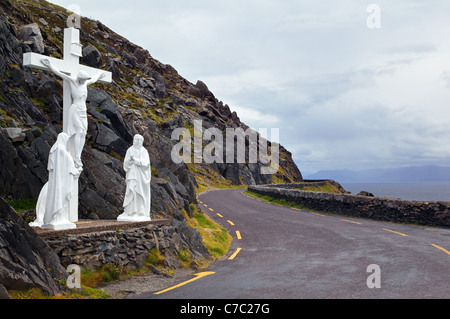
(76, 78)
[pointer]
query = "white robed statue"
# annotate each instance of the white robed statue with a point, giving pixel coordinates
(137, 203)
(52, 210)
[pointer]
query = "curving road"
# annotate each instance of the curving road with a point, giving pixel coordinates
(279, 252)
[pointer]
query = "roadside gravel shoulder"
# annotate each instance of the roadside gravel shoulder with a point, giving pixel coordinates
(133, 286)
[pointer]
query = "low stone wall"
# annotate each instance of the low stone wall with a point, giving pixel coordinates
(127, 244)
(384, 209)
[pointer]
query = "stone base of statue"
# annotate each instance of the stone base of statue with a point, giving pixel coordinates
(35, 224)
(128, 218)
(59, 226)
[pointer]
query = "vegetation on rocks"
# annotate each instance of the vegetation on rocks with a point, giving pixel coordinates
(327, 188)
(215, 237)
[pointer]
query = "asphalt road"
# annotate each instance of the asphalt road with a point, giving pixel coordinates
(279, 252)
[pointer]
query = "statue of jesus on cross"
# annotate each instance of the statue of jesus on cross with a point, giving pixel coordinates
(77, 120)
(76, 78)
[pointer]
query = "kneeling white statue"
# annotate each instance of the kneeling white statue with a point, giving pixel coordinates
(52, 209)
(137, 203)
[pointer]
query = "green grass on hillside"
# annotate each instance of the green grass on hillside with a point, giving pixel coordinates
(215, 237)
(328, 188)
(283, 202)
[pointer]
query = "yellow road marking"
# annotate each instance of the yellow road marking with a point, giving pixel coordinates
(230, 222)
(205, 205)
(211, 209)
(395, 232)
(200, 202)
(238, 235)
(350, 221)
(318, 214)
(235, 254)
(197, 277)
(443, 249)
(219, 215)
(252, 197)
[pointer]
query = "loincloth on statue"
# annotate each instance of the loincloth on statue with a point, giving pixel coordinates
(78, 121)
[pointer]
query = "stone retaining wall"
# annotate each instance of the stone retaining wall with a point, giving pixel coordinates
(383, 209)
(308, 183)
(127, 246)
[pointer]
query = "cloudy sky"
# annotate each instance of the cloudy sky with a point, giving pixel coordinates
(345, 96)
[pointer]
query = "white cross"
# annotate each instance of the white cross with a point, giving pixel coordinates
(71, 66)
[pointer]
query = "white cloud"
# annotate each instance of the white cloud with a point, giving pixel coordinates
(247, 115)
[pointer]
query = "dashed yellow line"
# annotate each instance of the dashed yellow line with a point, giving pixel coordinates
(395, 232)
(318, 214)
(197, 277)
(443, 249)
(350, 221)
(235, 254)
(230, 222)
(219, 215)
(238, 235)
(211, 209)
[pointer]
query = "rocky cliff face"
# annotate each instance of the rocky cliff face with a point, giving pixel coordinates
(146, 97)
(26, 261)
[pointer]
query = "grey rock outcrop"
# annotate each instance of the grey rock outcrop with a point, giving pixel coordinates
(14, 134)
(4, 292)
(91, 56)
(365, 193)
(26, 261)
(31, 35)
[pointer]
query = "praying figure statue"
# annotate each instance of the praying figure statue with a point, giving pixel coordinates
(137, 203)
(52, 209)
(78, 122)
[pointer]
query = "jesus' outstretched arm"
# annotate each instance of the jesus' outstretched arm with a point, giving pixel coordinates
(47, 63)
(96, 78)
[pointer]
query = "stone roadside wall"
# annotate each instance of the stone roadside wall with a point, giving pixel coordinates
(127, 247)
(384, 209)
(308, 183)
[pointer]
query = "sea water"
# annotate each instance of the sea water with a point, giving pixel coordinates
(406, 191)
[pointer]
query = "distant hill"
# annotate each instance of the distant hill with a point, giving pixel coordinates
(412, 174)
